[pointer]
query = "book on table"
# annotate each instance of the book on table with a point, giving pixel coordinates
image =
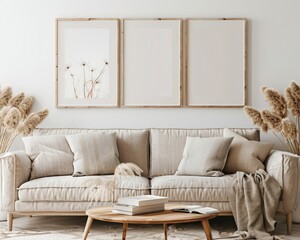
(140, 204)
(142, 200)
(196, 209)
(135, 210)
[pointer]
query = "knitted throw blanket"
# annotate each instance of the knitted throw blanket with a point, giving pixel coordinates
(254, 200)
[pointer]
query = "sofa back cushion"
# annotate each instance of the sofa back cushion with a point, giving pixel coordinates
(94, 153)
(133, 144)
(167, 146)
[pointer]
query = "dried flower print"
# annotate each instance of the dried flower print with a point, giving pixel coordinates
(86, 81)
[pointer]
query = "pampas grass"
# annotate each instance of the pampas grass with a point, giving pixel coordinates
(278, 120)
(122, 170)
(127, 170)
(15, 117)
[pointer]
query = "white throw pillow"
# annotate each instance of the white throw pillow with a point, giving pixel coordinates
(94, 153)
(204, 156)
(244, 155)
(51, 162)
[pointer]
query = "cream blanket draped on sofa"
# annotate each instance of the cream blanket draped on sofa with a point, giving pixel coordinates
(254, 199)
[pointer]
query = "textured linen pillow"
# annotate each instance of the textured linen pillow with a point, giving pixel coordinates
(51, 162)
(34, 144)
(94, 153)
(204, 156)
(244, 155)
(50, 155)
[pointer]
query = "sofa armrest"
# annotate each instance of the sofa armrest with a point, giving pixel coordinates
(283, 166)
(15, 168)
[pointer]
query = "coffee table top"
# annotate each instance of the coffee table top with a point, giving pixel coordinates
(164, 217)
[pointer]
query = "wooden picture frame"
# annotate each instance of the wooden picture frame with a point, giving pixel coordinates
(152, 62)
(87, 62)
(215, 62)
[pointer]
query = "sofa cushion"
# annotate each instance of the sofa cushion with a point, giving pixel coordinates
(51, 162)
(35, 144)
(94, 153)
(133, 144)
(167, 146)
(191, 188)
(204, 156)
(244, 155)
(87, 188)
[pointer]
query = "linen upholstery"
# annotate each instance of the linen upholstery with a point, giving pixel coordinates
(58, 206)
(167, 145)
(204, 156)
(94, 153)
(283, 166)
(133, 144)
(83, 206)
(133, 147)
(34, 144)
(83, 189)
(191, 188)
(244, 155)
(51, 162)
(15, 169)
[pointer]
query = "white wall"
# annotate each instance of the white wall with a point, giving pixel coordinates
(27, 55)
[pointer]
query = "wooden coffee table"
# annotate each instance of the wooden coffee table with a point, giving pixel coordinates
(166, 217)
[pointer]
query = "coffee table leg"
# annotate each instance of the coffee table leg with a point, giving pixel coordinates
(124, 231)
(206, 229)
(87, 228)
(166, 231)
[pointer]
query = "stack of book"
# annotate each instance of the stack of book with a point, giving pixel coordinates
(140, 204)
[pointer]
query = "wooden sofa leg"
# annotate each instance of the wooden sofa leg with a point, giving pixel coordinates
(9, 221)
(289, 223)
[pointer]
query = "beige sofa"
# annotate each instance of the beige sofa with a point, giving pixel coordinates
(157, 151)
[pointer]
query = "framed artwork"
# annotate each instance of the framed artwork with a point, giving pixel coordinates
(215, 62)
(87, 62)
(152, 66)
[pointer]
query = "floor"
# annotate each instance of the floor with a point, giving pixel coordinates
(55, 228)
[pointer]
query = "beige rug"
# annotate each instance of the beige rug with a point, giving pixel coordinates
(65, 228)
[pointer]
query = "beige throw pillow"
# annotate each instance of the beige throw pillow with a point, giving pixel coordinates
(34, 144)
(244, 155)
(204, 156)
(51, 162)
(94, 153)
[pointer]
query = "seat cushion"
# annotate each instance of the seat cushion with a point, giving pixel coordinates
(88, 188)
(191, 188)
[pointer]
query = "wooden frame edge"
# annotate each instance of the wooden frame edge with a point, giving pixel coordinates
(117, 60)
(186, 20)
(180, 105)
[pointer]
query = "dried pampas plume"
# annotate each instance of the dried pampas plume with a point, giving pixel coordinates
(289, 129)
(12, 119)
(256, 118)
(27, 126)
(128, 169)
(272, 120)
(5, 95)
(25, 106)
(3, 112)
(292, 102)
(276, 101)
(277, 120)
(295, 90)
(15, 101)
